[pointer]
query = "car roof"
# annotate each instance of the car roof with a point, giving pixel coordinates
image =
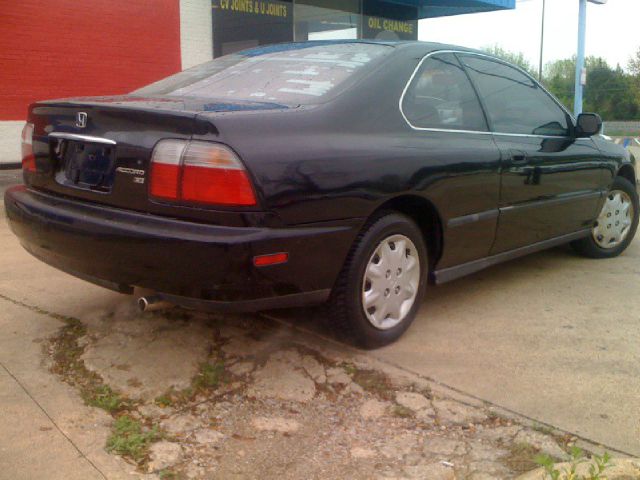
(418, 46)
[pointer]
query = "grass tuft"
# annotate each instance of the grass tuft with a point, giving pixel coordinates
(374, 382)
(102, 396)
(402, 411)
(209, 376)
(522, 457)
(167, 474)
(164, 400)
(130, 439)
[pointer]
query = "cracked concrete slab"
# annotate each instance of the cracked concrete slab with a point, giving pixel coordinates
(144, 356)
(552, 336)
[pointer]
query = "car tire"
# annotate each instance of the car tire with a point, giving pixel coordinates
(400, 292)
(596, 245)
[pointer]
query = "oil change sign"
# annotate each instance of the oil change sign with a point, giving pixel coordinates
(389, 21)
(389, 29)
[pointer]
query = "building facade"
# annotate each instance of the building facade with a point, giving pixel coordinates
(62, 48)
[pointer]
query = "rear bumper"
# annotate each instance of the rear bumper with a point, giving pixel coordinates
(197, 265)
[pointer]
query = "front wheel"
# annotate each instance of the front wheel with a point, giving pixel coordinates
(382, 282)
(616, 225)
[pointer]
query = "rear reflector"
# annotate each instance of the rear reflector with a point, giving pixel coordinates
(271, 259)
(199, 172)
(28, 159)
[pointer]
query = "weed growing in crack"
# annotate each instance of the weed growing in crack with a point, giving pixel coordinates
(102, 396)
(402, 411)
(68, 364)
(538, 427)
(164, 400)
(128, 437)
(372, 381)
(350, 368)
(167, 474)
(209, 376)
(65, 349)
(521, 457)
(596, 469)
(131, 439)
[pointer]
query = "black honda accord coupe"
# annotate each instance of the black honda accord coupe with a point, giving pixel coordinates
(348, 172)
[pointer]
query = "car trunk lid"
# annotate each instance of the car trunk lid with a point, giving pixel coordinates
(99, 149)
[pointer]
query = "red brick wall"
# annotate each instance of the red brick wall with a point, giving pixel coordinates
(62, 48)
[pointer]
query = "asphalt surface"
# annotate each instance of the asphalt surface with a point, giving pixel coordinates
(552, 336)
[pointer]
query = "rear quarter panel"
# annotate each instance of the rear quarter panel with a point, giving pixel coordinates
(346, 158)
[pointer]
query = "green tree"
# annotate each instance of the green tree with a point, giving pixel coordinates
(609, 91)
(516, 58)
(634, 69)
(634, 64)
(559, 78)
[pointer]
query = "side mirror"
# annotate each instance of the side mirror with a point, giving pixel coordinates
(589, 124)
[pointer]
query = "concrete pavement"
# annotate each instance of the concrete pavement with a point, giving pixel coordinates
(37, 442)
(47, 431)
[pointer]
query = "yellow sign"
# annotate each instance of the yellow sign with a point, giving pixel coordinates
(259, 7)
(377, 23)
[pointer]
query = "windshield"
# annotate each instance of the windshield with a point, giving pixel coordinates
(295, 73)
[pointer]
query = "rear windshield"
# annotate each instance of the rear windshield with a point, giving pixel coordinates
(295, 73)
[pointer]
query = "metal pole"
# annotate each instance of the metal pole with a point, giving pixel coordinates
(582, 27)
(544, 5)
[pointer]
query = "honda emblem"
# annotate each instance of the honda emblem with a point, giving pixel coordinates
(81, 119)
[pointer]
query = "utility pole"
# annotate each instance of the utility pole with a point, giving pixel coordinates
(580, 72)
(544, 5)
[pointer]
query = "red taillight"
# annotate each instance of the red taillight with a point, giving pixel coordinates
(199, 172)
(270, 259)
(28, 159)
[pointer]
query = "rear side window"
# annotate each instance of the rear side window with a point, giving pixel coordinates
(441, 96)
(292, 74)
(514, 102)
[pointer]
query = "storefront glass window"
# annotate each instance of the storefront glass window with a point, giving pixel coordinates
(326, 19)
(241, 24)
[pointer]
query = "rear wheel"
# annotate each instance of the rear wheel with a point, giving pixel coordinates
(382, 282)
(616, 225)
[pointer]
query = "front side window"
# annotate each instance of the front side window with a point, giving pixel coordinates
(292, 74)
(441, 96)
(514, 102)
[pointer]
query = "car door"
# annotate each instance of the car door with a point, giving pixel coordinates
(459, 156)
(551, 183)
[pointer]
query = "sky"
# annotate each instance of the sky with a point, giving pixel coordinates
(613, 30)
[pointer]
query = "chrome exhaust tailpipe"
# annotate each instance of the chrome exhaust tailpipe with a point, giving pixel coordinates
(152, 303)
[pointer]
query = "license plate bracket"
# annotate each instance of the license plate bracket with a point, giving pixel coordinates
(84, 165)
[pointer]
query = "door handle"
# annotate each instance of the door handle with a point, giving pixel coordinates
(518, 158)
